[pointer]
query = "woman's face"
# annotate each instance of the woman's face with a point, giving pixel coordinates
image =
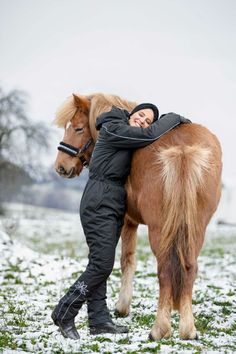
(142, 118)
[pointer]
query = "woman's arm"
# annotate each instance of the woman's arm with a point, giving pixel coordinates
(125, 136)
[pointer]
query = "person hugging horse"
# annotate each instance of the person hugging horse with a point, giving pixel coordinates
(102, 210)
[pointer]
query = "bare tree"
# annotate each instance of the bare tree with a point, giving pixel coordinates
(21, 140)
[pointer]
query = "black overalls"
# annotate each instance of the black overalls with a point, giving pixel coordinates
(103, 205)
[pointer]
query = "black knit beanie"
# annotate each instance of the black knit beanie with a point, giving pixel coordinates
(145, 106)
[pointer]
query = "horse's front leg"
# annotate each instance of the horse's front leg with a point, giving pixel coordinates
(128, 266)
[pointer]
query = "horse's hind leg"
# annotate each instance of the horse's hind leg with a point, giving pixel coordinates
(162, 326)
(128, 266)
(187, 329)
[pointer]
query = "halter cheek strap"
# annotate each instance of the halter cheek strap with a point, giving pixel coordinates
(76, 152)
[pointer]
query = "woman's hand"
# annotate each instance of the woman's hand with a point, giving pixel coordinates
(184, 120)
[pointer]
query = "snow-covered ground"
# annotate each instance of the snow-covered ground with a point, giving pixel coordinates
(44, 250)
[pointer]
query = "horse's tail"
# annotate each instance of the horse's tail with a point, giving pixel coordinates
(183, 171)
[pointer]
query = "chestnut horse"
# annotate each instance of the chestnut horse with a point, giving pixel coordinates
(174, 188)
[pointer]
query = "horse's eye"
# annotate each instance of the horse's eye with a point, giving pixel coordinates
(79, 130)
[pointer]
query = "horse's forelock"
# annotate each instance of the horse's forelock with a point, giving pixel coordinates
(65, 112)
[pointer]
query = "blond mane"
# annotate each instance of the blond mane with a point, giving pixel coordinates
(99, 103)
(65, 112)
(102, 103)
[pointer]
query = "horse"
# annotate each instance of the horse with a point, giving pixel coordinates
(174, 188)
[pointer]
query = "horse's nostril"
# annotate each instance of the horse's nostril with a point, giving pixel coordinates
(61, 170)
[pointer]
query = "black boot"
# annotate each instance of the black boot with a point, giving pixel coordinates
(108, 327)
(67, 328)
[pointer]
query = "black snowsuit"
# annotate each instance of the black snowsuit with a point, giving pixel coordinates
(103, 206)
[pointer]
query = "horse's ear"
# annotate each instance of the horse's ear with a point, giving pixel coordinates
(81, 102)
(77, 100)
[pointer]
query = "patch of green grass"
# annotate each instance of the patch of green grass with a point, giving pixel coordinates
(75, 275)
(12, 308)
(46, 283)
(30, 275)
(154, 275)
(144, 291)
(8, 292)
(143, 257)
(208, 343)
(56, 350)
(170, 341)
(18, 321)
(18, 281)
(231, 292)
(68, 248)
(4, 283)
(116, 272)
(150, 349)
(33, 341)
(9, 276)
(225, 311)
(233, 326)
(195, 348)
(123, 341)
(102, 339)
(23, 346)
(230, 331)
(197, 301)
(137, 305)
(14, 268)
(222, 303)
(199, 297)
(144, 320)
(203, 322)
(94, 347)
(213, 253)
(214, 287)
(7, 341)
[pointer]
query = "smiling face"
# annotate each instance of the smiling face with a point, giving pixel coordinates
(142, 118)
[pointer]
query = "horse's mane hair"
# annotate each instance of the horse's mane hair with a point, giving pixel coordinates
(103, 103)
(99, 103)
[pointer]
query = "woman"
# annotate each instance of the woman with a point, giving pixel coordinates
(102, 210)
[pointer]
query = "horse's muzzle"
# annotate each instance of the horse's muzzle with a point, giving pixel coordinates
(66, 174)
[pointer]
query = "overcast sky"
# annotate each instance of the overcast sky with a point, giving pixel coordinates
(178, 54)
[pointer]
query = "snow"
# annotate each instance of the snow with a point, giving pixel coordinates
(38, 265)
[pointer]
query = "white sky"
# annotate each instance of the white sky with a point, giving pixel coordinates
(178, 54)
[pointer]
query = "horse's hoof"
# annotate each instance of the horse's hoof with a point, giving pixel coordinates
(119, 314)
(155, 335)
(192, 336)
(150, 337)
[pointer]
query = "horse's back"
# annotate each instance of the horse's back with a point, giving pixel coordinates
(188, 153)
(189, 135)
(184, 137)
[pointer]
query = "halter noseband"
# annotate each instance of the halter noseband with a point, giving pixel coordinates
(75, 152)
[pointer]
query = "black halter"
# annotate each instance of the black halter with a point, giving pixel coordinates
(75, 152)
